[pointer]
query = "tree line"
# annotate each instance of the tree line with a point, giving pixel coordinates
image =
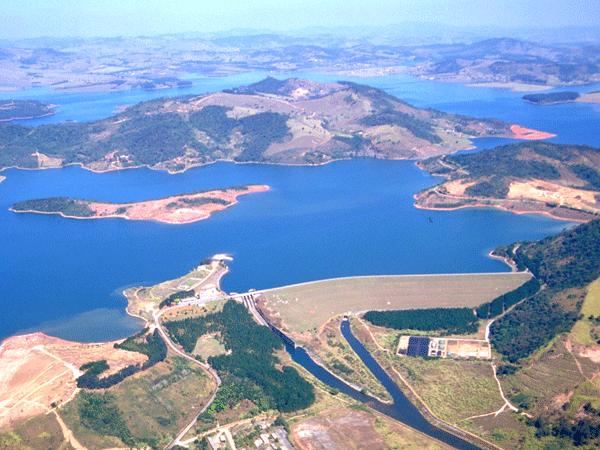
(500, 304)
(151, 345)
(447, 320)
(249, 369)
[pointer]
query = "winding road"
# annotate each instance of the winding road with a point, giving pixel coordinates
(205, 367)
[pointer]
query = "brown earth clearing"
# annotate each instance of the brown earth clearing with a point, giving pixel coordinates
(178, 209)
(39, 371)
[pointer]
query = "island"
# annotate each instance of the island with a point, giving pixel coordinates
(558, 180)
(551, 98)
(555, 98)
(24, 109)
(177, 209)
(290, 121)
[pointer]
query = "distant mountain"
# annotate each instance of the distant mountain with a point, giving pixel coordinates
(289, 121)
(507, 60)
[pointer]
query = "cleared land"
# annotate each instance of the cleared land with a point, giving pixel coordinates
(39, 371)
(305, 307)
(559, 180)
(529, 134)
(586, 329)
(348, 428)
(590, 97)
(178, 209)
(208, 345)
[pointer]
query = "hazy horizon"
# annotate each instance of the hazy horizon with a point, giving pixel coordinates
(70, 19)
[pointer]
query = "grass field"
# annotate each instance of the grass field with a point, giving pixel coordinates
(39, 432)
(207, 346)
(550, 374)
(452, 389)
(155, 404)
(582, 330)
(335, 354)
(305, 307)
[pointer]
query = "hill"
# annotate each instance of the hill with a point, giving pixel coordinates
(552, 366)
(507, 62)
(555, 179)
(24, 109)
(289, 121)
(565, 264)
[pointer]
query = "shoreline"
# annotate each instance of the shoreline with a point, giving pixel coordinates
(28, 118)
(110, 216)
(260, 291)
(499, 207)
(521, 134)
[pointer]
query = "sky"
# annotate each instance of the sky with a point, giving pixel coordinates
(87, 18)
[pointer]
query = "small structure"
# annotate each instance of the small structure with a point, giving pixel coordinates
(436, 347)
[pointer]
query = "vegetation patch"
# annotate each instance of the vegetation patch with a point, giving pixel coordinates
(24, 109)
(64, 205)
(250, 366)
(587, 329)
(566, 264)
(552, 97)
(39, 432)
(171, 299)
(500, 304)
(530, 326)
(99, 413)
(448, 320)
(150, 345)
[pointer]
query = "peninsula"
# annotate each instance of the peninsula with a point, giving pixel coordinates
(534, 177)
(555, 98)
(291, 121)
(177, 209)
(24, 109)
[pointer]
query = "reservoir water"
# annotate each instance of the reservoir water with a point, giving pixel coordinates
(346, 218)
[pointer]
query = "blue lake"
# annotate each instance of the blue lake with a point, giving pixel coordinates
(346, 218)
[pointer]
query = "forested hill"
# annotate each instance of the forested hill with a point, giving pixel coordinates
(559, 179)
(566, 264)
(569, 259)
(24, 109)
(278, 121)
